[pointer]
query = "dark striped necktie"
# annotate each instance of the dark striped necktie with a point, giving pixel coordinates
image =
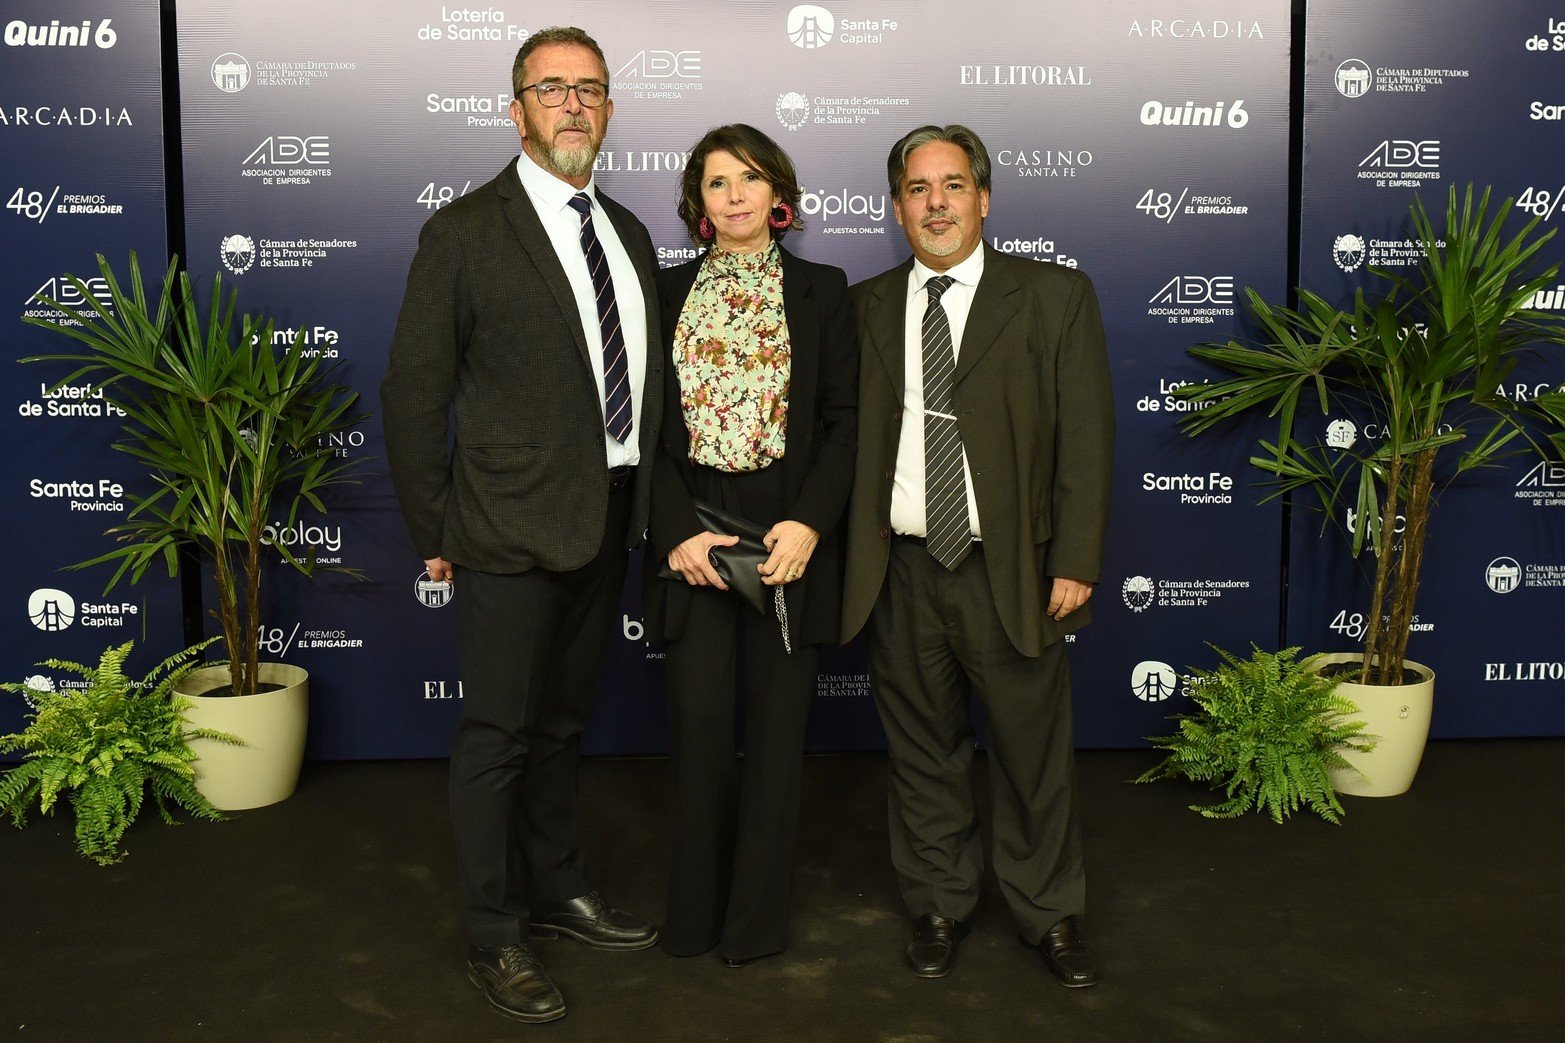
(948, 536)
(616, 372)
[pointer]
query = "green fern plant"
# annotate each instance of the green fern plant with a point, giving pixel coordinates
(105, 747)
(1269, 731)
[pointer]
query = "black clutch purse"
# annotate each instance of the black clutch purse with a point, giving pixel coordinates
(737, 566)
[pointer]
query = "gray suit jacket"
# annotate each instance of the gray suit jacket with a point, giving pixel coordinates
(489, 334)
(1036, 412)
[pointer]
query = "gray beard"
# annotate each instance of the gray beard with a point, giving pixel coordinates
(572, 162)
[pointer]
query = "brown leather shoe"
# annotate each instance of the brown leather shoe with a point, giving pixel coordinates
(592, 921)
(1067, 957)
(513, 981)
(933, 948)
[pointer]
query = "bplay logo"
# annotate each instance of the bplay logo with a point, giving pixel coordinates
(1152, 681)
(230, 72)
(830, 204)
(1503, 575)
(1349, 251)
(810, 26)
(238, 253)
(793, 110)
(51, 610)
(432, 593)
(1138, 592)
(1353, 78)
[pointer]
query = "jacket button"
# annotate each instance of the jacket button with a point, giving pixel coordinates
(890, 474)
(897, 415)
(885, 534)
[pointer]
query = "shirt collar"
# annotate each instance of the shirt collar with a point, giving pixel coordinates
(967, 273)
(545, 187)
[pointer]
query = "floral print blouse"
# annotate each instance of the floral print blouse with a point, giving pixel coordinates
(731, 351)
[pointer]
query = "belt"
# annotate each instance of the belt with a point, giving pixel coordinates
(620, 477)
(920, 541)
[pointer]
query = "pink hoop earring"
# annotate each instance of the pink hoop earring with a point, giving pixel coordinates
(704, 228)
(785, 221)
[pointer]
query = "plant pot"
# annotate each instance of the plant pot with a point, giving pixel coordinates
(272, 724)
(1399, 716)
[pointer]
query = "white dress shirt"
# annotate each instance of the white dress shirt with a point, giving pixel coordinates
(907, 491)
(551, 197)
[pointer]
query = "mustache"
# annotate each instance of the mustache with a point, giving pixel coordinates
(939, 215)
(573, 123)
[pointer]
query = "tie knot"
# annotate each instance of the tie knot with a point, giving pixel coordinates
(581, 204)
(937, 286)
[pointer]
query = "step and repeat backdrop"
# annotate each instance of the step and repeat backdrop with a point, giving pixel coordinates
(1143, 141)
(1399, 103)
(1139, 142)
(81, 172)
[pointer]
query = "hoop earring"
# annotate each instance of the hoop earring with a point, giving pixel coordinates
(704, 228)
(780, 222)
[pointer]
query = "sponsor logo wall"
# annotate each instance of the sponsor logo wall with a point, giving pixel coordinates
(81, 173)
(1141, 144)
(1390, 114)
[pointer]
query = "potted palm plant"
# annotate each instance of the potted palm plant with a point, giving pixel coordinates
(1425, 358)
(231, 428)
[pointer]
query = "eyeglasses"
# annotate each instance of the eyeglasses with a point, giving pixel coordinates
(552, 95)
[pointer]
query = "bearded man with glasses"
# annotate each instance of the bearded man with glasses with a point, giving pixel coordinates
(525, 325)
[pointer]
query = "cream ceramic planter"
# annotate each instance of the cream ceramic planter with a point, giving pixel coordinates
(273, 724)
(1399, 715)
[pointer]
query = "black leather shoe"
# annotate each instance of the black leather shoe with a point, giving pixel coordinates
(589, 919)
(1067, 957)
(514, 983)
(933, 948)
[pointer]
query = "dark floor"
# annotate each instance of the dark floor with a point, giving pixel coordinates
(1436, 915)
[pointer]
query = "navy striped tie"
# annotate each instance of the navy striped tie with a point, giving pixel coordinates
(947, 534)
(616, 373)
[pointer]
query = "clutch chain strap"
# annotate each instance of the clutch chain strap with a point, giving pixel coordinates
(782, 617)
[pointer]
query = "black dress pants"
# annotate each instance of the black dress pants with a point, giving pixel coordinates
(532, 647)
(734, 828)
(935, 639)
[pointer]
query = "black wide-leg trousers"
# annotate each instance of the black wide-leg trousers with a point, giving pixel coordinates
(734, 827)
(935, 639)
(532, 649)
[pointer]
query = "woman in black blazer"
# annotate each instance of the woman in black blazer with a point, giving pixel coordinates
(761, 404)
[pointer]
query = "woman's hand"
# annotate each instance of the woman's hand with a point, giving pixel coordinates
(791, 544)
(690, 560)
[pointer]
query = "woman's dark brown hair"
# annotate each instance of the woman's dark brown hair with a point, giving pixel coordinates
(748, 144)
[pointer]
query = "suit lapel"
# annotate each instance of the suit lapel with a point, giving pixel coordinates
(991, 310)
(529, 231)
(883, 324)
(801, 311)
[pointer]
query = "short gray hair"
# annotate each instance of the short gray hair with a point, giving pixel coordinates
(955, 134)
(554, 34)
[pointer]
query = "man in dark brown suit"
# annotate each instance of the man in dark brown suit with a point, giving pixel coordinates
(980, 499)
(526, 320)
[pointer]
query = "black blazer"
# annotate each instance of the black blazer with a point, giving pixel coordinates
(489, 333)
(818, 450)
